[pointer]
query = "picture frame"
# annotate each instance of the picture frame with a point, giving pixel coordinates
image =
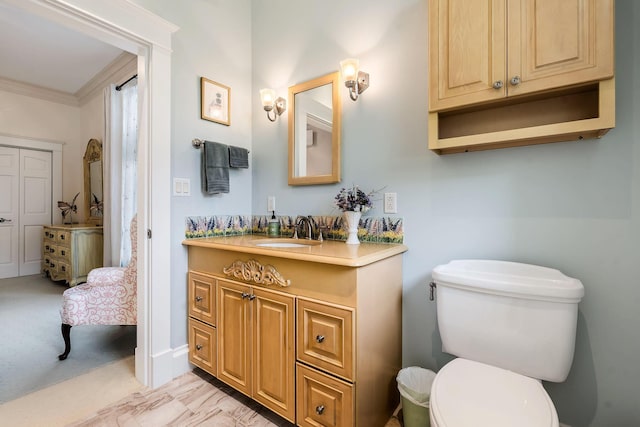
(215, 99)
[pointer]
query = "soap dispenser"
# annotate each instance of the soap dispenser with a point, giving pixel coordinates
(273, 229)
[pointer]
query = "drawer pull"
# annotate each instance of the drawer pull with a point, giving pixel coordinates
(198, 347)
(63, 268)
(319, 338)
(198, 298)
(319, 409)
(52, 265)
(62, 237)
(63, 253)
(52, 250)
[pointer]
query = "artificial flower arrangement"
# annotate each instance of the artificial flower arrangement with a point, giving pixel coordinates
(354, 200)
(68, 208)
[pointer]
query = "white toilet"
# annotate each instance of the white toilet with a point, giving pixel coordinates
(511, 325)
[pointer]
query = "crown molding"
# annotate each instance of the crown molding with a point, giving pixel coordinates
(35, 91)
(121, 68)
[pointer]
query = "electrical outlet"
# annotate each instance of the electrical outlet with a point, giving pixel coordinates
(390, 203)
(271, 203)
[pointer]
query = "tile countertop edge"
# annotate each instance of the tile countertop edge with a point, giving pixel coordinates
(329, 252)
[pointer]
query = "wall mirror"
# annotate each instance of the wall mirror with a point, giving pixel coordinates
(93, 189)
(314, 131)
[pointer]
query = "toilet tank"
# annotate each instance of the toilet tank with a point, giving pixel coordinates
(514, 316)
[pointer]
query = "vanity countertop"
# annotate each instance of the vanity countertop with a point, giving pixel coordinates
(328, 252)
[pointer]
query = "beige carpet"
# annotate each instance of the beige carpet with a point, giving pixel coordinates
(72, 400)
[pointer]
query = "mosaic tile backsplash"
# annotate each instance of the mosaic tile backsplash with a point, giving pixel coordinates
(371, 229)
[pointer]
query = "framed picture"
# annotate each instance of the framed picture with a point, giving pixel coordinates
(215, 99)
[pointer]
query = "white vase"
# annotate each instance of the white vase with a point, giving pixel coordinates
(352, 219)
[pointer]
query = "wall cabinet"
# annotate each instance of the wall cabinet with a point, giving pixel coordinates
(319, 345)
(500, 56)
(70, 252)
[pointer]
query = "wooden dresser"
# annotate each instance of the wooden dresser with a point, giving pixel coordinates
(70, 252)
(312, 333)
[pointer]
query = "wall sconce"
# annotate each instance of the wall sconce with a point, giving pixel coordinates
(357, 81)
(269, 102)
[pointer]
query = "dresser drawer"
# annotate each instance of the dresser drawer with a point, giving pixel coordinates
(326, 336)
(202, 346)
(323, 400)
(63, 237)
(202, 297)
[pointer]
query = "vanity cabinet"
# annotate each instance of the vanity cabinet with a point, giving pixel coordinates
(500, 66)
(314, 334)
(256, 344)
(70, 252)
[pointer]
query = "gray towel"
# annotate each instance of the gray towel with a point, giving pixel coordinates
(215, 168)
(238, 157)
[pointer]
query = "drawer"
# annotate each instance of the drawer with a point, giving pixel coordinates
(325, 337)
(202, 346)
(63, 237)
(323, 400)
(202, 297)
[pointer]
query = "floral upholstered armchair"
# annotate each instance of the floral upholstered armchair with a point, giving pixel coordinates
(108, 298)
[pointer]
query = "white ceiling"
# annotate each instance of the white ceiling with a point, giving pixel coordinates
(42, 53)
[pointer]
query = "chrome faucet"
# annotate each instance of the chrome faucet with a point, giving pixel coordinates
(300, 222)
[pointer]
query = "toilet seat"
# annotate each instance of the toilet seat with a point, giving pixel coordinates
(468, 393)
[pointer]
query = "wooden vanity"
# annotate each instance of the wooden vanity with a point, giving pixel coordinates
(312, 333)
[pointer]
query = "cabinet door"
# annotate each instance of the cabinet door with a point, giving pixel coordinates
(555, 43)
(467, 52)
(234, 357)
(273, 351)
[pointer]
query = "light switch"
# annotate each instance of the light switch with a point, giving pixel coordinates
(181, 187)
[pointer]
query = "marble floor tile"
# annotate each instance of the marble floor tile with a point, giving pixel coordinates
(195, 399)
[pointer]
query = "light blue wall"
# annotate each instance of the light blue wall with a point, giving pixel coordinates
(214, 41)
(572, 206)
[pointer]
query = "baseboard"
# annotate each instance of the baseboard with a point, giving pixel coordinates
(181, 363)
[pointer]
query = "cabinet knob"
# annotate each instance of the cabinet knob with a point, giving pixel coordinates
(515, 80)
(319, 338)
(319, 409)
(198, 298)
(498, 84)
(198, 347)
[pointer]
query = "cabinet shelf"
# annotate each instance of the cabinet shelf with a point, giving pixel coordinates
(575, 113)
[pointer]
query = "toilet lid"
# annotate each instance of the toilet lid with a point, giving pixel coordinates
(467, 393)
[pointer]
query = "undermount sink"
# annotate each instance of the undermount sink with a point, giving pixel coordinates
(285, 243)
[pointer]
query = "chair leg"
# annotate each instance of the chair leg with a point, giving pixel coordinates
(66, 335)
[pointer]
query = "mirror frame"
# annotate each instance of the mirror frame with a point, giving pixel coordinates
(334, 176)
(92, 154)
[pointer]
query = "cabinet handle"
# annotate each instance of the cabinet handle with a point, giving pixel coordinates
(252, 297)
(319, 409)
(319, 338)
(515, 80)
(198, 347)
(245, 295)
(498, 84)
(198, 298)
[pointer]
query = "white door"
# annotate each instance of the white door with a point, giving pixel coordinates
(35, 207)
(25, 206)
(9, 199)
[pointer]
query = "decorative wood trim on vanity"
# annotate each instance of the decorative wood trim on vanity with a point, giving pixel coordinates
(253, 271)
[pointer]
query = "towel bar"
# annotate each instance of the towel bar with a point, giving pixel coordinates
(197, 143)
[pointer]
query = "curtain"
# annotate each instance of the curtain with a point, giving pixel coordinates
(121, 148)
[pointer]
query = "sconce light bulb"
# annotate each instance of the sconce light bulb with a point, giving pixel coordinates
(349, 68)
(268, 97)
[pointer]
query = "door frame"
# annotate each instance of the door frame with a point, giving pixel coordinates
(134, 29)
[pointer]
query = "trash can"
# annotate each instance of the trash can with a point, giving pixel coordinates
(414, 384)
